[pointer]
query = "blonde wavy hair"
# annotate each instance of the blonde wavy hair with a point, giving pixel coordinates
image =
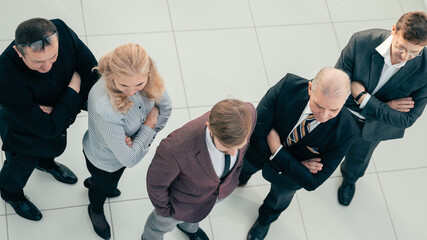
(127, 60)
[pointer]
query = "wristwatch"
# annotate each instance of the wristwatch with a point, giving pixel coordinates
(359, 96)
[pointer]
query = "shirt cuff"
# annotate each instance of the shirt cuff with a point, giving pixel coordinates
(365, 101)
(272, 156)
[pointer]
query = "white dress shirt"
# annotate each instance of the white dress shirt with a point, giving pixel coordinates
(387, 72)
(218, 157)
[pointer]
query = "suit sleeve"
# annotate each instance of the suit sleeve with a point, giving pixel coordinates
(162, 172)
(85, 62)
(346, 60)
(292, 168)
(265, 119)
(380, 111)
(29, 115)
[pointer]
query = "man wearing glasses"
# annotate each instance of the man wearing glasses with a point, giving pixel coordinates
(388, 90)
(45, 77)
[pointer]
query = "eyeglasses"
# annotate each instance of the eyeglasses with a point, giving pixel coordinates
(39, 44)
(412, 54)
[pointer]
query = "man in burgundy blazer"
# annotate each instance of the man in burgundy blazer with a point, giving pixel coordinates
(196, 166)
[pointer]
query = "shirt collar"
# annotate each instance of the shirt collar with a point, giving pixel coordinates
(384, 50)
(210, 143)
(307, 109)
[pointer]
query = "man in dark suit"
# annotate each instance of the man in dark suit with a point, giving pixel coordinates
(388, 90)
(302, 134)
(45, 77)
(197, 166)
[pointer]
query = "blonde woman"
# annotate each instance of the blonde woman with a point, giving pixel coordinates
(127, 107)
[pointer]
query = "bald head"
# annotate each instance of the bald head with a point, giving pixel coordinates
(332, 82)
(328, 93)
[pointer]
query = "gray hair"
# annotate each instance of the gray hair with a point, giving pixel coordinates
(332, 82)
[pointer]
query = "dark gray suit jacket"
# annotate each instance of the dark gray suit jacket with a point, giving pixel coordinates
(364, 64)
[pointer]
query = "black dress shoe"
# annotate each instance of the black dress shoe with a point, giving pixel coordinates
(99, 223)
(346, 193)
(257, 231)
(115, 193)
(26, 209)
(199, 235)
(60, 173)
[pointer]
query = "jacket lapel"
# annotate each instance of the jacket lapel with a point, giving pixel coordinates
(400, 77)
(377, 64)
(202, 155)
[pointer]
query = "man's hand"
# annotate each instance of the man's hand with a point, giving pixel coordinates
(46, 109)
(128, 141)
(152, 116)
(273, 141)
(402, 104)
(75, 82)
(313, 165)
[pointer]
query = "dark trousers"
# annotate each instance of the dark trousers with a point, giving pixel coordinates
(16, 171)
(102, 183)
(277, 200)
(357, 159)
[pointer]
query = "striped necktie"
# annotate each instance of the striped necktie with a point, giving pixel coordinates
(300, 131)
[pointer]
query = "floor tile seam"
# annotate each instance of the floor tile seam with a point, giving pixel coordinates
(84, 19)
(54, 209)
(210, 224)
(256, 185)
(225, 28)
(302, 217)
(340, 176)
(129, 200)
(179, 60)
(7, 223)
(259, 45)
(401, 6)
(387, 207)
(111, 220)
(401, 170)
(333, 26)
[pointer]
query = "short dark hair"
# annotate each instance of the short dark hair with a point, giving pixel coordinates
(230, 121)
(413, 26)
(32, 30)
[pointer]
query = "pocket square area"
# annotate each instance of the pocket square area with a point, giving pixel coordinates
(314, 150)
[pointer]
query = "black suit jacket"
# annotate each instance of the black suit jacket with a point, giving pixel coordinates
(363, 63)
(24, 127)
(281, 109)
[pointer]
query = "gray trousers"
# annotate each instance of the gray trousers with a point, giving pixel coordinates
(156, 226)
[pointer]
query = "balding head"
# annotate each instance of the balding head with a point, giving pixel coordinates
(332, 82)
(328, 92)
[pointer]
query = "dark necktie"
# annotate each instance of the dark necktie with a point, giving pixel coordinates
(300, 131)
(227, 166)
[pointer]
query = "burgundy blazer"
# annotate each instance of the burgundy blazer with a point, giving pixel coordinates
(181, 180)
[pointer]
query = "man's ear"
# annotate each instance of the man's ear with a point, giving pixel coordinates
(19, 53)
(309, 88)
(393, 30)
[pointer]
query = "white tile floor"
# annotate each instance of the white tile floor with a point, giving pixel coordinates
(209, 50)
